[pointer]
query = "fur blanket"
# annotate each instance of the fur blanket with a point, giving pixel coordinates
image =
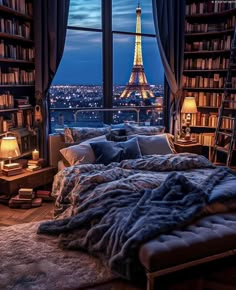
(114, 225)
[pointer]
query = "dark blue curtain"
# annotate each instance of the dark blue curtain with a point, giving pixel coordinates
(50, 22)
(169, 18)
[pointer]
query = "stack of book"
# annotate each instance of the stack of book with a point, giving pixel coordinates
(35, 164)
(44, 194)
(11, 169)
(25, 199)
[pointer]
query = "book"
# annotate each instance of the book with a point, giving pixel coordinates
(40, 161)
(37, 202)
(19, 200)
(33, 167)
(25, 190)
(11, 166)
(44, 194)
(31, 161)
(12, 172)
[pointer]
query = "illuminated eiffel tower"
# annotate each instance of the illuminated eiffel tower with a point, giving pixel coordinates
(138, 81)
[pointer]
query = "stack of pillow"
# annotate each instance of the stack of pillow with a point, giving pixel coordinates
(106, 145)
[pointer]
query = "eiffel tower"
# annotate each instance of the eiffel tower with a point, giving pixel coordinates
(138, 81)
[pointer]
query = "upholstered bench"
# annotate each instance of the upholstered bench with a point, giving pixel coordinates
(208, 239)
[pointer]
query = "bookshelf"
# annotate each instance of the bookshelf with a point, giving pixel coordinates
(209, 27)
(17, 72)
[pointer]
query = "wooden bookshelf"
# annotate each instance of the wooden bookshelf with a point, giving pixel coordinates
(17, 71)
(209, 29)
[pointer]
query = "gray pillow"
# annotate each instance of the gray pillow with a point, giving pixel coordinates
(81, 153)
(107, 152)
(143, 130)
(78, 135)
(156, 144)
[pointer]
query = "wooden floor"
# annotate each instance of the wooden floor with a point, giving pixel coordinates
(13, 216)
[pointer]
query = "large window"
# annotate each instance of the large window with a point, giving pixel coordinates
(111, 61)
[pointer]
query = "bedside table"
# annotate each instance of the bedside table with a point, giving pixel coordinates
(190, 148)
(9, 185)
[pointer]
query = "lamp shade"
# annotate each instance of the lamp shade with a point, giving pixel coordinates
(9, 147)
(189, 106)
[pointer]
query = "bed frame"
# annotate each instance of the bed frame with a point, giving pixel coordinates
(56, 142)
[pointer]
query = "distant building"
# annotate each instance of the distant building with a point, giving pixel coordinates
(138, 84)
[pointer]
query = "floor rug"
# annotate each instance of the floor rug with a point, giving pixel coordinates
(31, 261)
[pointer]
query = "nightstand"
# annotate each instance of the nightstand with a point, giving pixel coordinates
(189, 147)
(9, 185)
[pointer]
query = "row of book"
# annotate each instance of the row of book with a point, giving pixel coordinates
(16, 52)
(210, 27)
(6, 101)
(15, 26)
(209, 7)
(207, 99)
(207, 120)
(205, 139)
(206, 63)
(211, 44)
(27, 198)
(21, 118)
(204, 82)
(22, 6)
(17, 76)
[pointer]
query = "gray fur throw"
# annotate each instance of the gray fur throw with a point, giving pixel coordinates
(115, 224)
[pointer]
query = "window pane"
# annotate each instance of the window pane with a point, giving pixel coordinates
(78, 81)
(85, 15)
(138, 77)
(124, 16)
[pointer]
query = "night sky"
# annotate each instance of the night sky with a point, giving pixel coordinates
(82, 60)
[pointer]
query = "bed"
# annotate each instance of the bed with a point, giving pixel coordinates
(153, 213)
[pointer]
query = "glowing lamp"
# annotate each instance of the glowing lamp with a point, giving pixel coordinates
(189, 107)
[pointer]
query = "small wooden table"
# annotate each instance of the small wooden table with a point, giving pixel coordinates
(9, 185)
(188, 147)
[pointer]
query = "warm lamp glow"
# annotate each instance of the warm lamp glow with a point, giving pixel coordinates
(189, 107)
(9, 148)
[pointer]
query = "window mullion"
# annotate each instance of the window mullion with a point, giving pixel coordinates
(107, 56)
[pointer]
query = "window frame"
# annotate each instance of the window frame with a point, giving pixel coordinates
(107, 55)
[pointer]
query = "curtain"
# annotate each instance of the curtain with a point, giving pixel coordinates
(169, 17)
(50, 22)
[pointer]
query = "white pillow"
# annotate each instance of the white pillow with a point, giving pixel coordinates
(155, 144)
(81, 153)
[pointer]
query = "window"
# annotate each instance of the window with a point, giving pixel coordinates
(108, 66)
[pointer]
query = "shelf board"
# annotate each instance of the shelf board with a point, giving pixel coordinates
(205, 70)
(211, 15)
(13, 12)
(208, 89)
(214, 108)
(8, 60)
(16, 37)
(195, 126)
(15, 109)
(8, 110)
(208, 33)
(16, 86)
(197, 52)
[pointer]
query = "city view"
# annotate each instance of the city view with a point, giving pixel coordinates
(143, 101)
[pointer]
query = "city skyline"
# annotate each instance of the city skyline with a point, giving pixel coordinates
(82, 60)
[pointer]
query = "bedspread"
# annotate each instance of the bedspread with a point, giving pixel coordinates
(113, 216)
(74, 185)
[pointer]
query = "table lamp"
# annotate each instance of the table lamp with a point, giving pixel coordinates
(189, 107)
(9, 148)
